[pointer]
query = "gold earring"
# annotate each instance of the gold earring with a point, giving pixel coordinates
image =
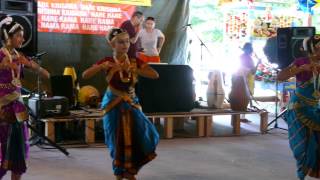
(9, 42)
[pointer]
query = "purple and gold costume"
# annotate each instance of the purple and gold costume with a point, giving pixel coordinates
(13, 129)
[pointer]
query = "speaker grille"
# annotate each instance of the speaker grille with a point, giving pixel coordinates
(289, 44)
(17, 6)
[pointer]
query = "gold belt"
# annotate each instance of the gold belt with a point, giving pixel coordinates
(121, 93)
(308, 101)
(122, 96)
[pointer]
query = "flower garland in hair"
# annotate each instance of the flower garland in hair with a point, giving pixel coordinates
(113, 33)
(8, 20)
(14, 27)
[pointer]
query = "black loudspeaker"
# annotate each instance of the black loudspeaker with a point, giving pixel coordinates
(23, 12)
(18, 6)
(290, 44)
(63, 86)
(172, 92)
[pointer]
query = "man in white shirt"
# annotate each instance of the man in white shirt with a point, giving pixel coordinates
(151, 40)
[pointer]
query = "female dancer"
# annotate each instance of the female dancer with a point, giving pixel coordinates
(13, 113)
(303, 115)
(130, 136)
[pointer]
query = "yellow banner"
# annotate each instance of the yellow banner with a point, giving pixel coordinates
(129, 2)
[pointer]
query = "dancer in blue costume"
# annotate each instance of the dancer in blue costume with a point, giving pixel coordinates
(130, 136)
(303, 115)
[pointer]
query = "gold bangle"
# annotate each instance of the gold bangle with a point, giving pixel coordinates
(102, 66)
(292, 70)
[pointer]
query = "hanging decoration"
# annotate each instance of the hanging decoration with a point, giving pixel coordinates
(264, 27)
(248, 2)
(308, 5)
(265, 72)
(236, 25)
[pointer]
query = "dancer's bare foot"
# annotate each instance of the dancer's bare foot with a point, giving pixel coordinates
(15, 176)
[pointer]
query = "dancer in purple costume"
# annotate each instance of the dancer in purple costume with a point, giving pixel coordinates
(13, 113)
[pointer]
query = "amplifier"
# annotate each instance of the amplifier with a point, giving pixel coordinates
(49, 106)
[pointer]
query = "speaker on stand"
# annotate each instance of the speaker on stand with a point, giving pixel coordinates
(289, 47)
(289, 43)
(25, 13)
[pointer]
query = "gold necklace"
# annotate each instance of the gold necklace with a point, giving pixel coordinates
(15, 80)
(123, 79)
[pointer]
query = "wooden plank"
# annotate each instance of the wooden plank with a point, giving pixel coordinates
(236, 123)
(90, 131)
(172, 119)
(50, 131)
(263, 122)
(208, 126)
(199, 112)
(97, 114)
(168, 127)
(200, 121)
(194, 115)
(83, 118)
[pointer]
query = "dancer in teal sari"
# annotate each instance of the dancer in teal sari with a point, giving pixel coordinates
(129, 135)
(303, 115)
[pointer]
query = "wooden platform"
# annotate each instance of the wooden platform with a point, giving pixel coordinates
(203, 118)
(90, 116)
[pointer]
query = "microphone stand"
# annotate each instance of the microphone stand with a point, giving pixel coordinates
(277, 115)
(40, 137)
(202, 44)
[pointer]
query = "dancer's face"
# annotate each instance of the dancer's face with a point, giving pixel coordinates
(121, 43)
(17, 39)
(317, 50)
(317, 47)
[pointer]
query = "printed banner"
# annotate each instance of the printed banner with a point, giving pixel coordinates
(130, 2)
(78, 17)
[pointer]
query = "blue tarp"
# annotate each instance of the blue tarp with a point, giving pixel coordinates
(306, 5)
